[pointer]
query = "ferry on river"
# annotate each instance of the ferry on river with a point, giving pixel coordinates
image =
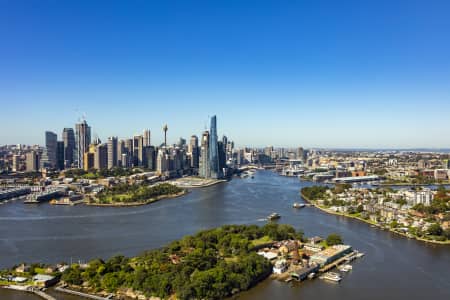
(298, 205)
(273, 216)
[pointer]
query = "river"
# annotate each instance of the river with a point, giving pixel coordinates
(393, 267)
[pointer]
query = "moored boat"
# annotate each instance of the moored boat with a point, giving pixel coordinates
(331, 276)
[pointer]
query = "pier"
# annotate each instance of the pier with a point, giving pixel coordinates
(337, 262)
(84, 295)
(30, 289)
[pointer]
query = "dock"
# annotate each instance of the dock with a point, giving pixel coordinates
(337, 262)
(84, 295)
(30, 289)
(44, 196)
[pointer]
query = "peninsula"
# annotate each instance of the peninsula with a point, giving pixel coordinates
(133, 195)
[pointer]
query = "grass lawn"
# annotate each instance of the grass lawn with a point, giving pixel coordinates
(263, 240)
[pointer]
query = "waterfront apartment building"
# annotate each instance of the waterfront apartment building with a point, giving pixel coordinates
(82, 141)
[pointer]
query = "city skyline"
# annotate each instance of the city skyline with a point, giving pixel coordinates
(322, 74)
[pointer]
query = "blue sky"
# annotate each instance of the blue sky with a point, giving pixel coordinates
(282, 73)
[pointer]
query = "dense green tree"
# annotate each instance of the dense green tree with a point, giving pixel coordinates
(435, 229)
(334, 239)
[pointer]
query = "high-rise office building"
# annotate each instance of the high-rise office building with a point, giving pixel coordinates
(204, 169)
(82, 141)
(150, 158)
(138, 150)
(194, 151)
(222, 157)
(112, 152)
(147, 136)
(101, 157)
(162, 161)
(32, 161)
(60, 155)
(49, 155)
(125, 160)
(68, 137)
(120, 151)
(214, 150)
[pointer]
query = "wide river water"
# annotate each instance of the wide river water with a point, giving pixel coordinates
(393, 267)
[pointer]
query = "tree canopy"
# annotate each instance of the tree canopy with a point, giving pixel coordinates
(213, 264)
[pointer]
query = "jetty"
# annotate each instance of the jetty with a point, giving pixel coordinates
(63, 289)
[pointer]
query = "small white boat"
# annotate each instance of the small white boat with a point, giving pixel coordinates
(298, 205)
(345, 268)
(331, 276)
(359, 255)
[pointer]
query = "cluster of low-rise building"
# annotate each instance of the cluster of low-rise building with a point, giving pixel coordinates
(302, 258)
(383, 206)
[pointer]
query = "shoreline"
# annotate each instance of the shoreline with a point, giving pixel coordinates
(199, 186)
(373, 224)
(28, 289)
(132, 204)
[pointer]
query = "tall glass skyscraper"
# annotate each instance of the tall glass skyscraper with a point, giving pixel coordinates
(213, 150)
(69, 146)
(82, 141)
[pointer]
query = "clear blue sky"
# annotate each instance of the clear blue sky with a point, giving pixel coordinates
(283, 73)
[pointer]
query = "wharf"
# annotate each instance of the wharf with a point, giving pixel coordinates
(89, 296)
(337, 262)
(30, 289)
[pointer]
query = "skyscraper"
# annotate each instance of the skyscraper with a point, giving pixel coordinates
(112, 152)
(214, 150)
(32, 161)
(193, 150)
(120, 150)
(49, 156)
(150, 158)
(147, 138)
(68, 137)
(101, 157)
(60, 155)
(162, 161)
(138, 149)
(204, 170)
(82, 141)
